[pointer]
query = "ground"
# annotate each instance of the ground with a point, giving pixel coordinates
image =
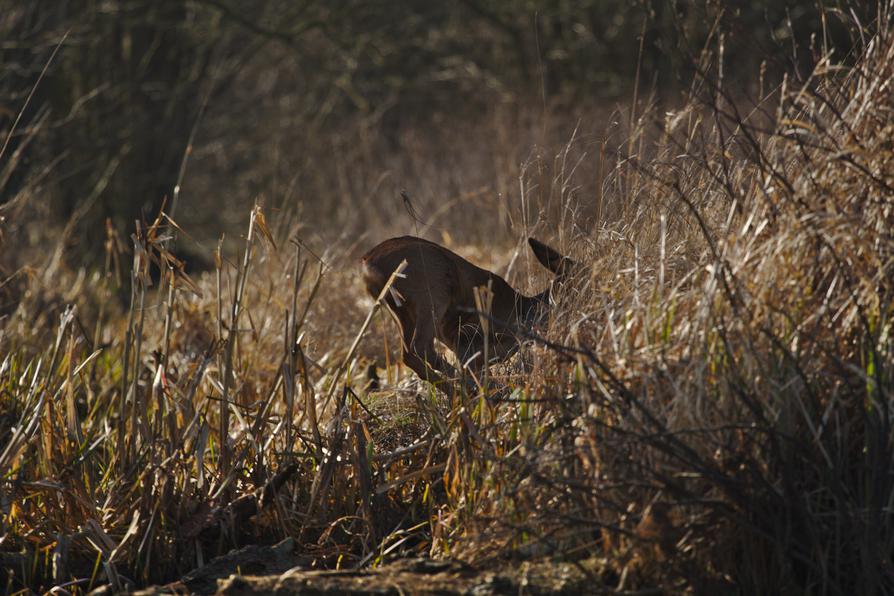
(278, 570)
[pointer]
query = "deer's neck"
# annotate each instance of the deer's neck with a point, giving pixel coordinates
(534, 308)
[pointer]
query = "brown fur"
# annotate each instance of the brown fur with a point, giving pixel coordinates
(436, 300)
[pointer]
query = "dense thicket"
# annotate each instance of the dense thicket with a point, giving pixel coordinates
(708, 408)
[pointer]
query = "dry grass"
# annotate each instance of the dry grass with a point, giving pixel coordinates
(709, 408)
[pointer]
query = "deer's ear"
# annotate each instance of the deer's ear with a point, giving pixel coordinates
(552, 260)
(548, 257)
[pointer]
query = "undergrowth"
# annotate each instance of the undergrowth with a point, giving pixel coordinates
(709, 407)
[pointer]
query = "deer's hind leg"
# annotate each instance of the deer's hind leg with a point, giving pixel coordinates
(419, 352)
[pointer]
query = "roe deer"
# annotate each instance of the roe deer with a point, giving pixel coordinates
(435, 298)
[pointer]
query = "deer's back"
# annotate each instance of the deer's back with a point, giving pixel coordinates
(430, 267)
(430, 274)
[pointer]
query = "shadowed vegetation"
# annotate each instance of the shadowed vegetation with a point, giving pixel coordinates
(186, 372)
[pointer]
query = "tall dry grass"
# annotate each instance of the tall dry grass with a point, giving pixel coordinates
(713, 410)
(709, 407)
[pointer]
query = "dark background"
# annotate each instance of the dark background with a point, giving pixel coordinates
(325, 110)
